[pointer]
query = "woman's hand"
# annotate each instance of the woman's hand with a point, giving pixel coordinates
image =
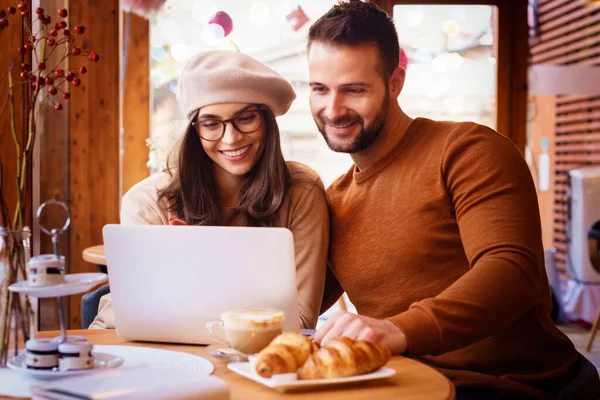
(176, 221)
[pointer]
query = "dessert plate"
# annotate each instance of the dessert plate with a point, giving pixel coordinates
(102, 361)
(129, 357)
(285, 382)
(74, 283)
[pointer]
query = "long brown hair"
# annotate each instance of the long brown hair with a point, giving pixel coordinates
(192, 193)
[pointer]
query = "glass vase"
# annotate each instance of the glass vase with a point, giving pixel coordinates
(16, 313)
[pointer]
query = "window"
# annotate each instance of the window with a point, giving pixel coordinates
(451, 72)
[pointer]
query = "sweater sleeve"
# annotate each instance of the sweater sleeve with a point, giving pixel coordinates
(310, 227)
(135, 212)
(105, 318)
(333, 290)
(496, 209)
(139, 205)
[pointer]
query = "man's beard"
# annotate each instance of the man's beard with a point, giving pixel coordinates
(366, 136)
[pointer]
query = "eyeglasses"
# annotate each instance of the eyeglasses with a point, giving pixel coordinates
(213, 129)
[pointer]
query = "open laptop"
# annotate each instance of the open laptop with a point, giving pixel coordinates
(168, 281)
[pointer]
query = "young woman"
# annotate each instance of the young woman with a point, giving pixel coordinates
(229, 170)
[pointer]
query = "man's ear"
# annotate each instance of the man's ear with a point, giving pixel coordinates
(396, 82)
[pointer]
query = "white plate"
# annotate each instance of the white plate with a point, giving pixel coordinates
(74, 284)
(290, 381)
(148, 357)
(102, 361)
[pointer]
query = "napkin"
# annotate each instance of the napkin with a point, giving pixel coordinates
(134, 383)
(14, 385)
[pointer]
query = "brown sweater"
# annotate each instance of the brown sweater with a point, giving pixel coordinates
(442, 236)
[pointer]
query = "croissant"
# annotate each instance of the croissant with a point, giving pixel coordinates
(285, 354)
(343, 357)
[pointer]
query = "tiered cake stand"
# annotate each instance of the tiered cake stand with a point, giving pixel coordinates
(73, 284)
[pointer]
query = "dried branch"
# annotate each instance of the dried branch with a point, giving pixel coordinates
(3, 206)
(40, 84)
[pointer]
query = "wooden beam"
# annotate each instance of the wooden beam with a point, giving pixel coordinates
(94, 135)
(136, 99)
(512, 51)
(519, 52)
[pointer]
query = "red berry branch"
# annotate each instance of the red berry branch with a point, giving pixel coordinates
(44, 79)
(40, 76)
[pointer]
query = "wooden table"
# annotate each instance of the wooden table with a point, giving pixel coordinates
(413, 381)
(95, 255)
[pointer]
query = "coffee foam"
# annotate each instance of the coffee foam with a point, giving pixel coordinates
(253, 319)
(256, 317)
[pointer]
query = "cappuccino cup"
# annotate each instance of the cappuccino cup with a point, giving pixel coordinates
(248, 330)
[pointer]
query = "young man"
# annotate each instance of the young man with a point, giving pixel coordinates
(435, 231)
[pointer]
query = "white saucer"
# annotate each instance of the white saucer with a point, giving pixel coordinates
(285, 382)
(226, 353)
(102, 361)
(74, 284)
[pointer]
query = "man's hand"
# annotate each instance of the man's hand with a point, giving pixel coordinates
(379, 331)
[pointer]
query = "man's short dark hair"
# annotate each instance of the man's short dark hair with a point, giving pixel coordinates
(354, 23)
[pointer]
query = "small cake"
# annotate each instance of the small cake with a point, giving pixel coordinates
(41, 354)
(75, 355)
(46, 269)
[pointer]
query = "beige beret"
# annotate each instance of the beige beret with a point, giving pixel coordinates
(221, 76)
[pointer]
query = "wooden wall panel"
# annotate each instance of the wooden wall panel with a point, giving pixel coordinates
(136, 101)
(78, 158)
(51, 172)
(568, 35)
(543, 123)
(577, 145)
(94, 135)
